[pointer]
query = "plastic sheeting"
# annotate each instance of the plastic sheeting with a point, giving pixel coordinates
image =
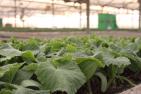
(29, 7)
(129, 4)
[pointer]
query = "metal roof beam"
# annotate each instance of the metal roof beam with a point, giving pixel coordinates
(13, 7)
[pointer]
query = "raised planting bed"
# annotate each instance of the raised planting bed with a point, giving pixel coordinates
(74, 65)
(49, 35)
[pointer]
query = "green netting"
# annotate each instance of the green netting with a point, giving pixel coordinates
(107, 22)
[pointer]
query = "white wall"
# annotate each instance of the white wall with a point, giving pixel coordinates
(72, 21)
(127, 21)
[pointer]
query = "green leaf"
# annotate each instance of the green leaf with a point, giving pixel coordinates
(5, 85)
(30, 83)
(103, 79)
(28, 56)
(119, 61)
(5, 59)
(6, 68)
(93, 59)
(31, 67)
(65, 76)
(11, 71)
(22, 75)
(135, 62)
(89, 65)
(71, 48)
(22, 90)
(55, 45)
(6, 91)
(31, 44)
(41, 57)
(88, 68)
(8, 51)
(25, 73)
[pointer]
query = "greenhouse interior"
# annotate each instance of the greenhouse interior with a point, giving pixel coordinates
(70, 46)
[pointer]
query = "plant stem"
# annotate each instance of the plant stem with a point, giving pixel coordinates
(110, 82)
(127, 80)
(89, 87)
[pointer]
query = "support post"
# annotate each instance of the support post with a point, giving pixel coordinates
(139, 1)
(15, 3)
(80, 12)
(88, 15)
(53, 13)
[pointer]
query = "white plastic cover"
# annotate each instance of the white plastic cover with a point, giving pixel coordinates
(29, 7)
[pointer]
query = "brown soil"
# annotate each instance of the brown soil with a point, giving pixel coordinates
(48, 35)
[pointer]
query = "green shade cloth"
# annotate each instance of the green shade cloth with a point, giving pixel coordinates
(107, 22)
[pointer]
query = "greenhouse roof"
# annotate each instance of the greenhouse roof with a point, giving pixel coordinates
(129, 4)
(28, 7)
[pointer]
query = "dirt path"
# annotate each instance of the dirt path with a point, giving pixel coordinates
(134, 90)
(48, 35)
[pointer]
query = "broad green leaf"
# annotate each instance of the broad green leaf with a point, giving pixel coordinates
(89, 65)
(28, 56)
(22, 90)
(103, 79)
(119, 61)
(30, 83)
(41, 57)
(25, 73)
(6, 68)
(93, 59)
(65, 76)
(131, 47)
(5, 59)
(8, 51)
(31, 44)
(55, 45)
(71, 48)
(43, 48)
(135, 62)
(5, 85)
(15, 89)
(11, 71)
(22, 75)
(31, 67)
(6, 91)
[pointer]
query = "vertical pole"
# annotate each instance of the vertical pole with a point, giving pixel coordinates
(53, 13)
(15, 1)
(88, 15)
(80, 9)
(22, 15)
(139, 1)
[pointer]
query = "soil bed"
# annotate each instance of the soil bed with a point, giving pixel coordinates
(48, 35)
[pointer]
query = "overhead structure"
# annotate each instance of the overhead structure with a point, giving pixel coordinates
(128, 4)
(30, 7)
